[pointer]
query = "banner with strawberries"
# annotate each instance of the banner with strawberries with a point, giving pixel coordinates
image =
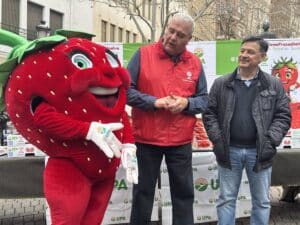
(283, 62)
(206, 52)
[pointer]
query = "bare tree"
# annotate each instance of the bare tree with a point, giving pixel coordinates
(161, 11)
(285, 18)
(236, 19)
(215, 19)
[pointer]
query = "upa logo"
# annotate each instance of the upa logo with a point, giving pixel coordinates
(201, 184)
(118, 218)
(204, 218)
(120, 185)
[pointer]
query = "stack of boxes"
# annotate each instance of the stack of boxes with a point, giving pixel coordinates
(295, 138)
(14, 145)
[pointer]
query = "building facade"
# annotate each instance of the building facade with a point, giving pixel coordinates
(23, 16)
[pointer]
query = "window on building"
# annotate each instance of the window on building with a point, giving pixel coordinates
(11, 15)
(112, 32)
(120, 34)
(149, 9)
(134, 37)
(127, 36)
(34, 18)
(56, 20)
(103, 30)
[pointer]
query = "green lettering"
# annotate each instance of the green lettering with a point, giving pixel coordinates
(214, 184)
(122, 185)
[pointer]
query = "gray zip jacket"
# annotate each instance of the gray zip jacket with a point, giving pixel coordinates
(270, 111)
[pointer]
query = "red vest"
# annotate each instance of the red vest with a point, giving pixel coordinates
(159, 76)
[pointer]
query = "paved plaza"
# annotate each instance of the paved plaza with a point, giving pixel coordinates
(32, 211)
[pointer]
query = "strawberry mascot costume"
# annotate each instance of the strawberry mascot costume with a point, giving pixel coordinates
(66, 95)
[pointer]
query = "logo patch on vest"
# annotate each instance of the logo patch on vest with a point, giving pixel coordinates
(189, 75)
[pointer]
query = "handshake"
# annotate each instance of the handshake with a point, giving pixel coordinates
(172, 103)
(102, 135)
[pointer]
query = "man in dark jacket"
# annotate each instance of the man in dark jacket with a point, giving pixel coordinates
(247, 117)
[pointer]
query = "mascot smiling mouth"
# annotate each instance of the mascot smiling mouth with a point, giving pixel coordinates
(106, 96)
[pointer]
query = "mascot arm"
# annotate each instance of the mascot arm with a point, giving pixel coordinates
(127, 130)
(57, 124)
(128, 152)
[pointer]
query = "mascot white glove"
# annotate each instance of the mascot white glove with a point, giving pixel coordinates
(129, 162)
(102, 135)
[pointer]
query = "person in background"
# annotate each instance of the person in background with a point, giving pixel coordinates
(168, 87)
(248, 115)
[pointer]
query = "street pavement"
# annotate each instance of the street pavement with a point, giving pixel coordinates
(32, 211)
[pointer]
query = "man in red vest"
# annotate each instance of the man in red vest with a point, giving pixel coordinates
(168, 87)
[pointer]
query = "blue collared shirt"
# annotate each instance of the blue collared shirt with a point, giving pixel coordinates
(246, 82)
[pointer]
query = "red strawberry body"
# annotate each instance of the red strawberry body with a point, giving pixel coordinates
(49, 101)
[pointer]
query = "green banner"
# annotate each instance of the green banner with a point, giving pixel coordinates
(227, 56)
(128, 51)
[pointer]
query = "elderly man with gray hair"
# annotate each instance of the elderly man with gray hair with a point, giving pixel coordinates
(168, 87)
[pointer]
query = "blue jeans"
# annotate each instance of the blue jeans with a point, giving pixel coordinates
(229, 187)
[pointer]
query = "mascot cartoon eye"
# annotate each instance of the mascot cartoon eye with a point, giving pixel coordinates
(277, 75)
(112, 59)
(81, 61)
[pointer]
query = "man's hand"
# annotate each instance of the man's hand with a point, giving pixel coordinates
(102, 135)
(177, 104)
(129, 162)
(162, 103)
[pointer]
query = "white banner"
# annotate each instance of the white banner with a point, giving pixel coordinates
(206, 51)
(116, 48)
(119, 208)
(206, 187)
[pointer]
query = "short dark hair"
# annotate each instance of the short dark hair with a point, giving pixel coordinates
(263, 44)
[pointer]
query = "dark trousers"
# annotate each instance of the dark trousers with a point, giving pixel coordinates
(179, 164)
